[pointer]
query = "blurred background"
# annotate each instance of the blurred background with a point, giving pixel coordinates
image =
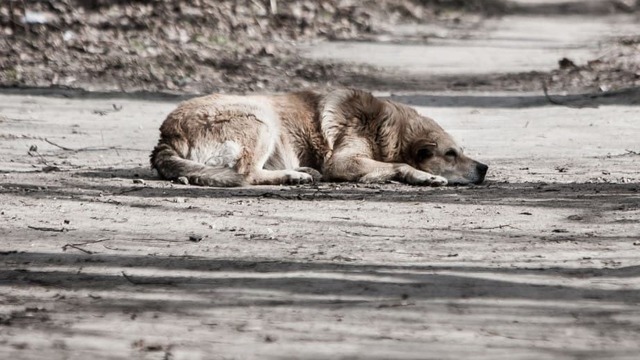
(201, 46)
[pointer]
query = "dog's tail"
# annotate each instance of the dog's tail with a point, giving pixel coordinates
(171, 166)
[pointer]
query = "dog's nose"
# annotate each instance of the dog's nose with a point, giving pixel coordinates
(482, 169)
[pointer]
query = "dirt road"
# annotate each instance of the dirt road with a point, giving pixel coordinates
(514, 44)
(100, 259)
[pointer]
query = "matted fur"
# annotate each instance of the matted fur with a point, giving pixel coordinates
(338, 134)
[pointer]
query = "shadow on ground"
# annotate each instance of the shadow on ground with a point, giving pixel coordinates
(580, 196)
(302, 284)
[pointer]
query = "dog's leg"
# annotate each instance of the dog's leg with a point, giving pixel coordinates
(171, 165)
(279, 177)
(376, 171)
(364, 169)
(273, 165)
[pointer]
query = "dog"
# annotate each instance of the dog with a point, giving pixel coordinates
(330, 135)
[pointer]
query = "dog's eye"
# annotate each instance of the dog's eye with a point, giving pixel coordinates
(424, 154)
(452, 153)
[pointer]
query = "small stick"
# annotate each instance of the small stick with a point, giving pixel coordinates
(42, 159)
(59, 146)
(47, 229)
(546, 95)
(89, 148)
(77, 248)
(493, 227)
(136, 282)
(556, 102)
(127, 191)
(129, 279)
(372, 235)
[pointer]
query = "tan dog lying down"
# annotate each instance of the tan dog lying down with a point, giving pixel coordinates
(344, 134)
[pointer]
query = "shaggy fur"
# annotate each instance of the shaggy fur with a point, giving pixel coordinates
(338, 134)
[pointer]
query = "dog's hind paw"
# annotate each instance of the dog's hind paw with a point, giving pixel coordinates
(315, 174)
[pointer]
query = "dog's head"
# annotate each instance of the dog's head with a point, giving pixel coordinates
(429, 148)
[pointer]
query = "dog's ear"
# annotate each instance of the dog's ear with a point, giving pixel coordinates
(364, 106)
(423, 150)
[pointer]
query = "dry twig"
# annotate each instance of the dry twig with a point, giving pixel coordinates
(138, 282)
(371, 235)
(89, 148)
(48, 229)
(59, 146)
(493, 227)
(77, 246)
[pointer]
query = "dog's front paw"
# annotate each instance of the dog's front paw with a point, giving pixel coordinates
(438, 181)
(296, 178)
(423, 178)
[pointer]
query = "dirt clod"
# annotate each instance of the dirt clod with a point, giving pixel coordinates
(195, 238)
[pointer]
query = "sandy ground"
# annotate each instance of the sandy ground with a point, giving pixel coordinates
(100, 259)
